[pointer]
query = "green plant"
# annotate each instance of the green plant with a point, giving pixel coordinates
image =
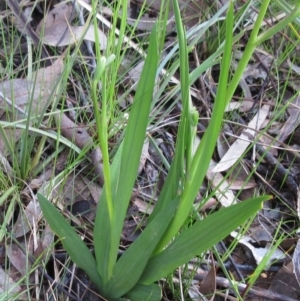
(161, 247)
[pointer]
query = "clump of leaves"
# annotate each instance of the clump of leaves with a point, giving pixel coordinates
(159, 250)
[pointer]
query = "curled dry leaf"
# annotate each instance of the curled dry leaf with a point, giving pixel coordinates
(55, 28)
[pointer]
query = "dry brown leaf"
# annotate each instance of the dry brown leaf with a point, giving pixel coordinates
(237, 149)
(208, 285)
(191, 10)
(259, 253)
(144, 23)
(44, 245)
(48, 77)
(223, 190)
(298, 202)
(143, 206)
(55, 28)
(72, 189)
(94, 188)
(47, 239)
(27, 219)
(194, 293)
(7, 284)
(22, 20)
(135, 73)
(144, 156)
(18, 258)
(296, 262)
(81, 138)
(223, 193)
(285, 282)
(17, 92)
(292, 122)
(239, 177)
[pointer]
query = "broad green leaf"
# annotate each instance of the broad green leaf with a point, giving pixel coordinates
(142, 292)
(132, 263)
(199, 238)
(74, 246)
(126, 167)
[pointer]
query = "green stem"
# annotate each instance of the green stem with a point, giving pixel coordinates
(101, 119)
(250, 47)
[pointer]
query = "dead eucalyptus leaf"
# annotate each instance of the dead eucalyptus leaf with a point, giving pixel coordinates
(292, 122)
(82, 139)
(237, 149)
(259, 253)
(55, 28)
(239, 177)
(296, 262)
(285, 283)
(223, 190)
(143, 206)
(16, 94)
(27, 219)
(208, 285)
(144, 156)
(18, 258)
(7, 284)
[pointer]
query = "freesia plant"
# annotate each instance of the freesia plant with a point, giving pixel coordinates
(159, 249)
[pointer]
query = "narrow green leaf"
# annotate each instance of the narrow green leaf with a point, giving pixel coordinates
(132, 263)
(202, 157)
(102, 227)
(126, 167)
(183, 142)
(74, 246)
(199, 238)
(145, 293)
(295, 13)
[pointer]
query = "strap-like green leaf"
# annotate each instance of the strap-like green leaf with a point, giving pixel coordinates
(199, 238)
(123, 180)
(132, 263)
(145, 293)
(75, 247)
(196, 170)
